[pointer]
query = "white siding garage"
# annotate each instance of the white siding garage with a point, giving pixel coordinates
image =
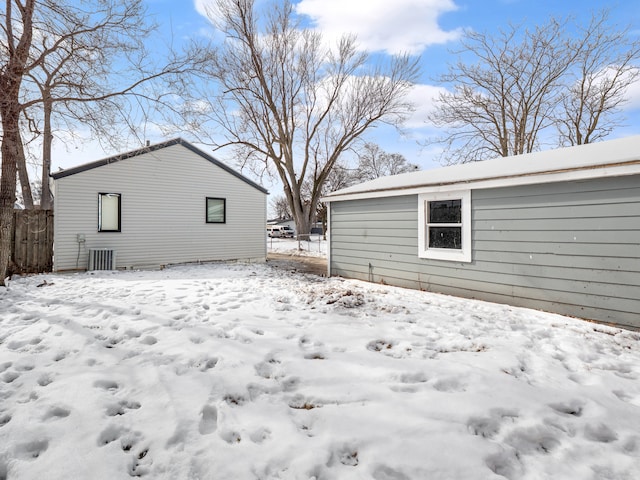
(164, 204)
(558, 231)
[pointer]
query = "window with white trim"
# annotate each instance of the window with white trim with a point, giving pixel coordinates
(109, 210)
(445, 226)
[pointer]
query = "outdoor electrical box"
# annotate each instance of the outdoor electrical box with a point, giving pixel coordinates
(80, 238)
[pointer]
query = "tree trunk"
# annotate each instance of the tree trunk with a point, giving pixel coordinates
(303, 225)
(7, 189)
(46, 198)
(23, 175)
(300, 216)
(10, 80)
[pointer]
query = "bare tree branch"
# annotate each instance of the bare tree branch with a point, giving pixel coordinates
(525, 83)
(89, 65)
(288, 103)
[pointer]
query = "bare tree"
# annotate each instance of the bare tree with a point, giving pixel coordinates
(604, 70)
(90, 66)
(281, 207)
(287, 102)
(502, 101)
(524, 87)
(374, 162)
(18, 31)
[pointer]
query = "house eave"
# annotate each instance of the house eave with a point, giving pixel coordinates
(152, 148)
(623, 168)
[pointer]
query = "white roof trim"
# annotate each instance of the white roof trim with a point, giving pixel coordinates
(604, 159)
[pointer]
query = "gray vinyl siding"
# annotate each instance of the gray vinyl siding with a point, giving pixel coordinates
(163, 212)
(572, 248)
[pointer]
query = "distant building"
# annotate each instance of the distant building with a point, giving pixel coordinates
(163, 204)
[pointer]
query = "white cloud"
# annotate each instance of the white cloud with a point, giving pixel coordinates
(633, 95)
(203, 6)
(423, 97)
(393, 27)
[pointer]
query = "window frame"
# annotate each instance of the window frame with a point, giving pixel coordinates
(101, 195)
(462, 254)
(224, 210)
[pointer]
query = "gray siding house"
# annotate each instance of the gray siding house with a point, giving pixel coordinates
(557, 231)
(164, 204)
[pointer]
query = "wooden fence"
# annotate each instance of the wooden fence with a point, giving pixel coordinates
(32, 249)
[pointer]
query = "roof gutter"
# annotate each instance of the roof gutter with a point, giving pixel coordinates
(624, 168)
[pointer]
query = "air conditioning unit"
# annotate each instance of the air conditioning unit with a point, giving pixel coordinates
(102, 259)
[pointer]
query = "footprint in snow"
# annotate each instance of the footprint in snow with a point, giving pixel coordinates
(631, 444)
(32, 449)
(27, 367)
(573, 407)
(110, 434)
(9, 377)
(345, 454)
(450, 384)
(489, 426)
(234, 399)
(209, 421)
(626, 397)
(383, 472)
(409, 382)
(149, 340)
(380, 345)
(260, 435)
(600, 433)
(133, 333)
(108, 385)
(231, 437)
(505, 463)
(536, 439)
(264, 369)
(4, 419)
(417, 377)
(56, 413)
(45, 379)
(139, 466)
(204, 364)
(19, 344)
(315, 355)
(59, 356)
(121, 407)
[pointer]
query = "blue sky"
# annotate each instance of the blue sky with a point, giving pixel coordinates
(427, 28)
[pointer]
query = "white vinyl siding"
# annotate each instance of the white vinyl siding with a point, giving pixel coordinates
(162, 222)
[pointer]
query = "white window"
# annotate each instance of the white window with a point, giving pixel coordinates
(109, 212)
(445, 226)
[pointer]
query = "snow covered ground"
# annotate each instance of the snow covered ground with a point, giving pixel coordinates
(248, 372)
(315, 246)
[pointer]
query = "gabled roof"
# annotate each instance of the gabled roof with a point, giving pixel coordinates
(153, 148)
(610, 158)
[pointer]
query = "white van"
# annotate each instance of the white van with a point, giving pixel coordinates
(277, 231)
